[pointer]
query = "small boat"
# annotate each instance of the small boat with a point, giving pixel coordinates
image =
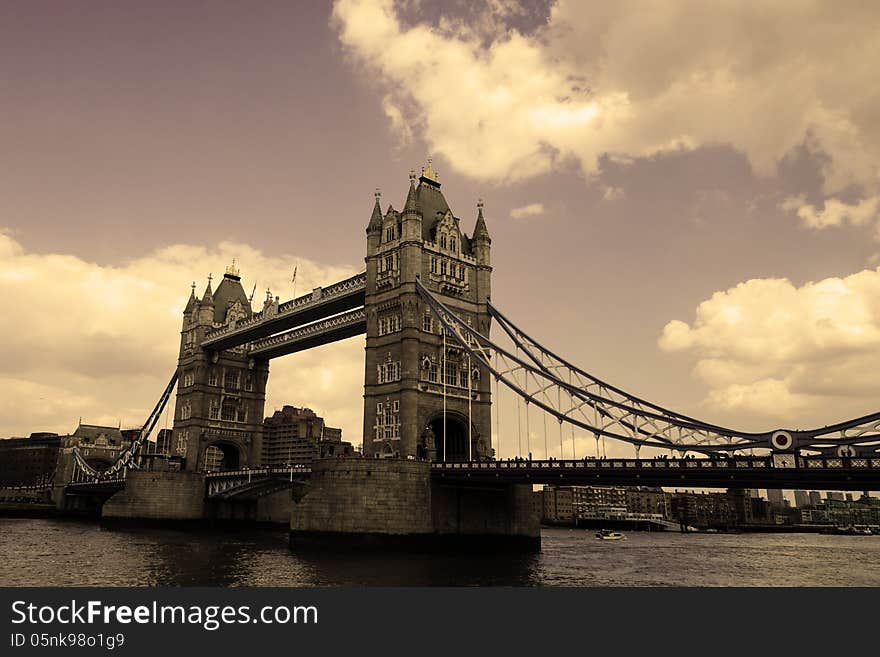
(608, 535)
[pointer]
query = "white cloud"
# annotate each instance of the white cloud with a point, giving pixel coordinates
(99, 342)
(526, 211)
(834, 212)
(769, 348)
(631, 80)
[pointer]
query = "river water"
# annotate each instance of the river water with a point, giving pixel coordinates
(36, 552)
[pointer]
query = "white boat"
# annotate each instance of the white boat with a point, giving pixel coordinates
(608, 535)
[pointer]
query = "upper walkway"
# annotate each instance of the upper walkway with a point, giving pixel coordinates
(321, 303)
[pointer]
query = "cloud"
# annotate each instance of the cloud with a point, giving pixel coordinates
(619, 79)
(613, 193)
(769, 348)
(82, 339)
(530, 210)
(399, 124)
(834, 212)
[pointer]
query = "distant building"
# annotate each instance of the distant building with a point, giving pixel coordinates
(163, 441)
(815, 498)
(298, 436)
(801, 499)
(648, 500)
(775, 498)
(704, 509)
(588, 499)
(558, 504)
(537, 500)
(743, 505)
(834, 495)
(28, 460)
(100, 446)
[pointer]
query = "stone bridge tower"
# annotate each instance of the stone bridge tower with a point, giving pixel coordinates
(218, 415)
(406, 367)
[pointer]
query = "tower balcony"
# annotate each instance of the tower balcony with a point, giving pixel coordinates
(387, 279)
(449, 284)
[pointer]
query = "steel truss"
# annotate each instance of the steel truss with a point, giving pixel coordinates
(576, 397)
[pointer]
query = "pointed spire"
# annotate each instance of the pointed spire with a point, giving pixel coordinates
(412, 201)
(208, 297)
(192, 302)
(481, 233)
(376, 218)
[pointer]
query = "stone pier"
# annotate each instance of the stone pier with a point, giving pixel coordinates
(391, 503)
(155, 495)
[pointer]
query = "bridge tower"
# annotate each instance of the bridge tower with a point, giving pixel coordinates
(410, 377)
(218, 415)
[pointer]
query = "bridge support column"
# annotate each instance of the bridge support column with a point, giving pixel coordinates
(393, 503)
(152, 495)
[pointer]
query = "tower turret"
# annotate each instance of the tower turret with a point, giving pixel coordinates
(206, 307)
(192, 302)
(481, 240)
(481, 245)
(375, 225)
(411, 224)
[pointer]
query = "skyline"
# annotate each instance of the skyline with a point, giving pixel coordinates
(612, 221)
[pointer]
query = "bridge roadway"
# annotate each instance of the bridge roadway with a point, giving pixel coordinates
(822, 473)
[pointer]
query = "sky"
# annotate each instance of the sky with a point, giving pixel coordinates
(683, 197)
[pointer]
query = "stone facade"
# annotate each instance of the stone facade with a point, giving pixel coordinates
(405, 358)
(220, 395)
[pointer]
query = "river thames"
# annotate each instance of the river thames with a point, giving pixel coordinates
(37, 552)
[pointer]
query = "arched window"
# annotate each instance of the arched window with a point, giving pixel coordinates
(452, 244)
(443, 241)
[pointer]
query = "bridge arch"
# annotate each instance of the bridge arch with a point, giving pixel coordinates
(220, 456)
(456, 437)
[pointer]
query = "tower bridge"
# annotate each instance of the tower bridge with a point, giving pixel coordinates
(433, 375)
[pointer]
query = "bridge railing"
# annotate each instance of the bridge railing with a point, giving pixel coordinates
(751, 462)
(257, 472)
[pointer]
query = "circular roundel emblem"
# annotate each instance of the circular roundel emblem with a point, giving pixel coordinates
(782, 440)
(846, 450)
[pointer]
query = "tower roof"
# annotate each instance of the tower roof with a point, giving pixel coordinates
(433, 206)
(412, 201)
(481, 233)
(375, 225)
(192, 302)
(208, 296)
(228, 293)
